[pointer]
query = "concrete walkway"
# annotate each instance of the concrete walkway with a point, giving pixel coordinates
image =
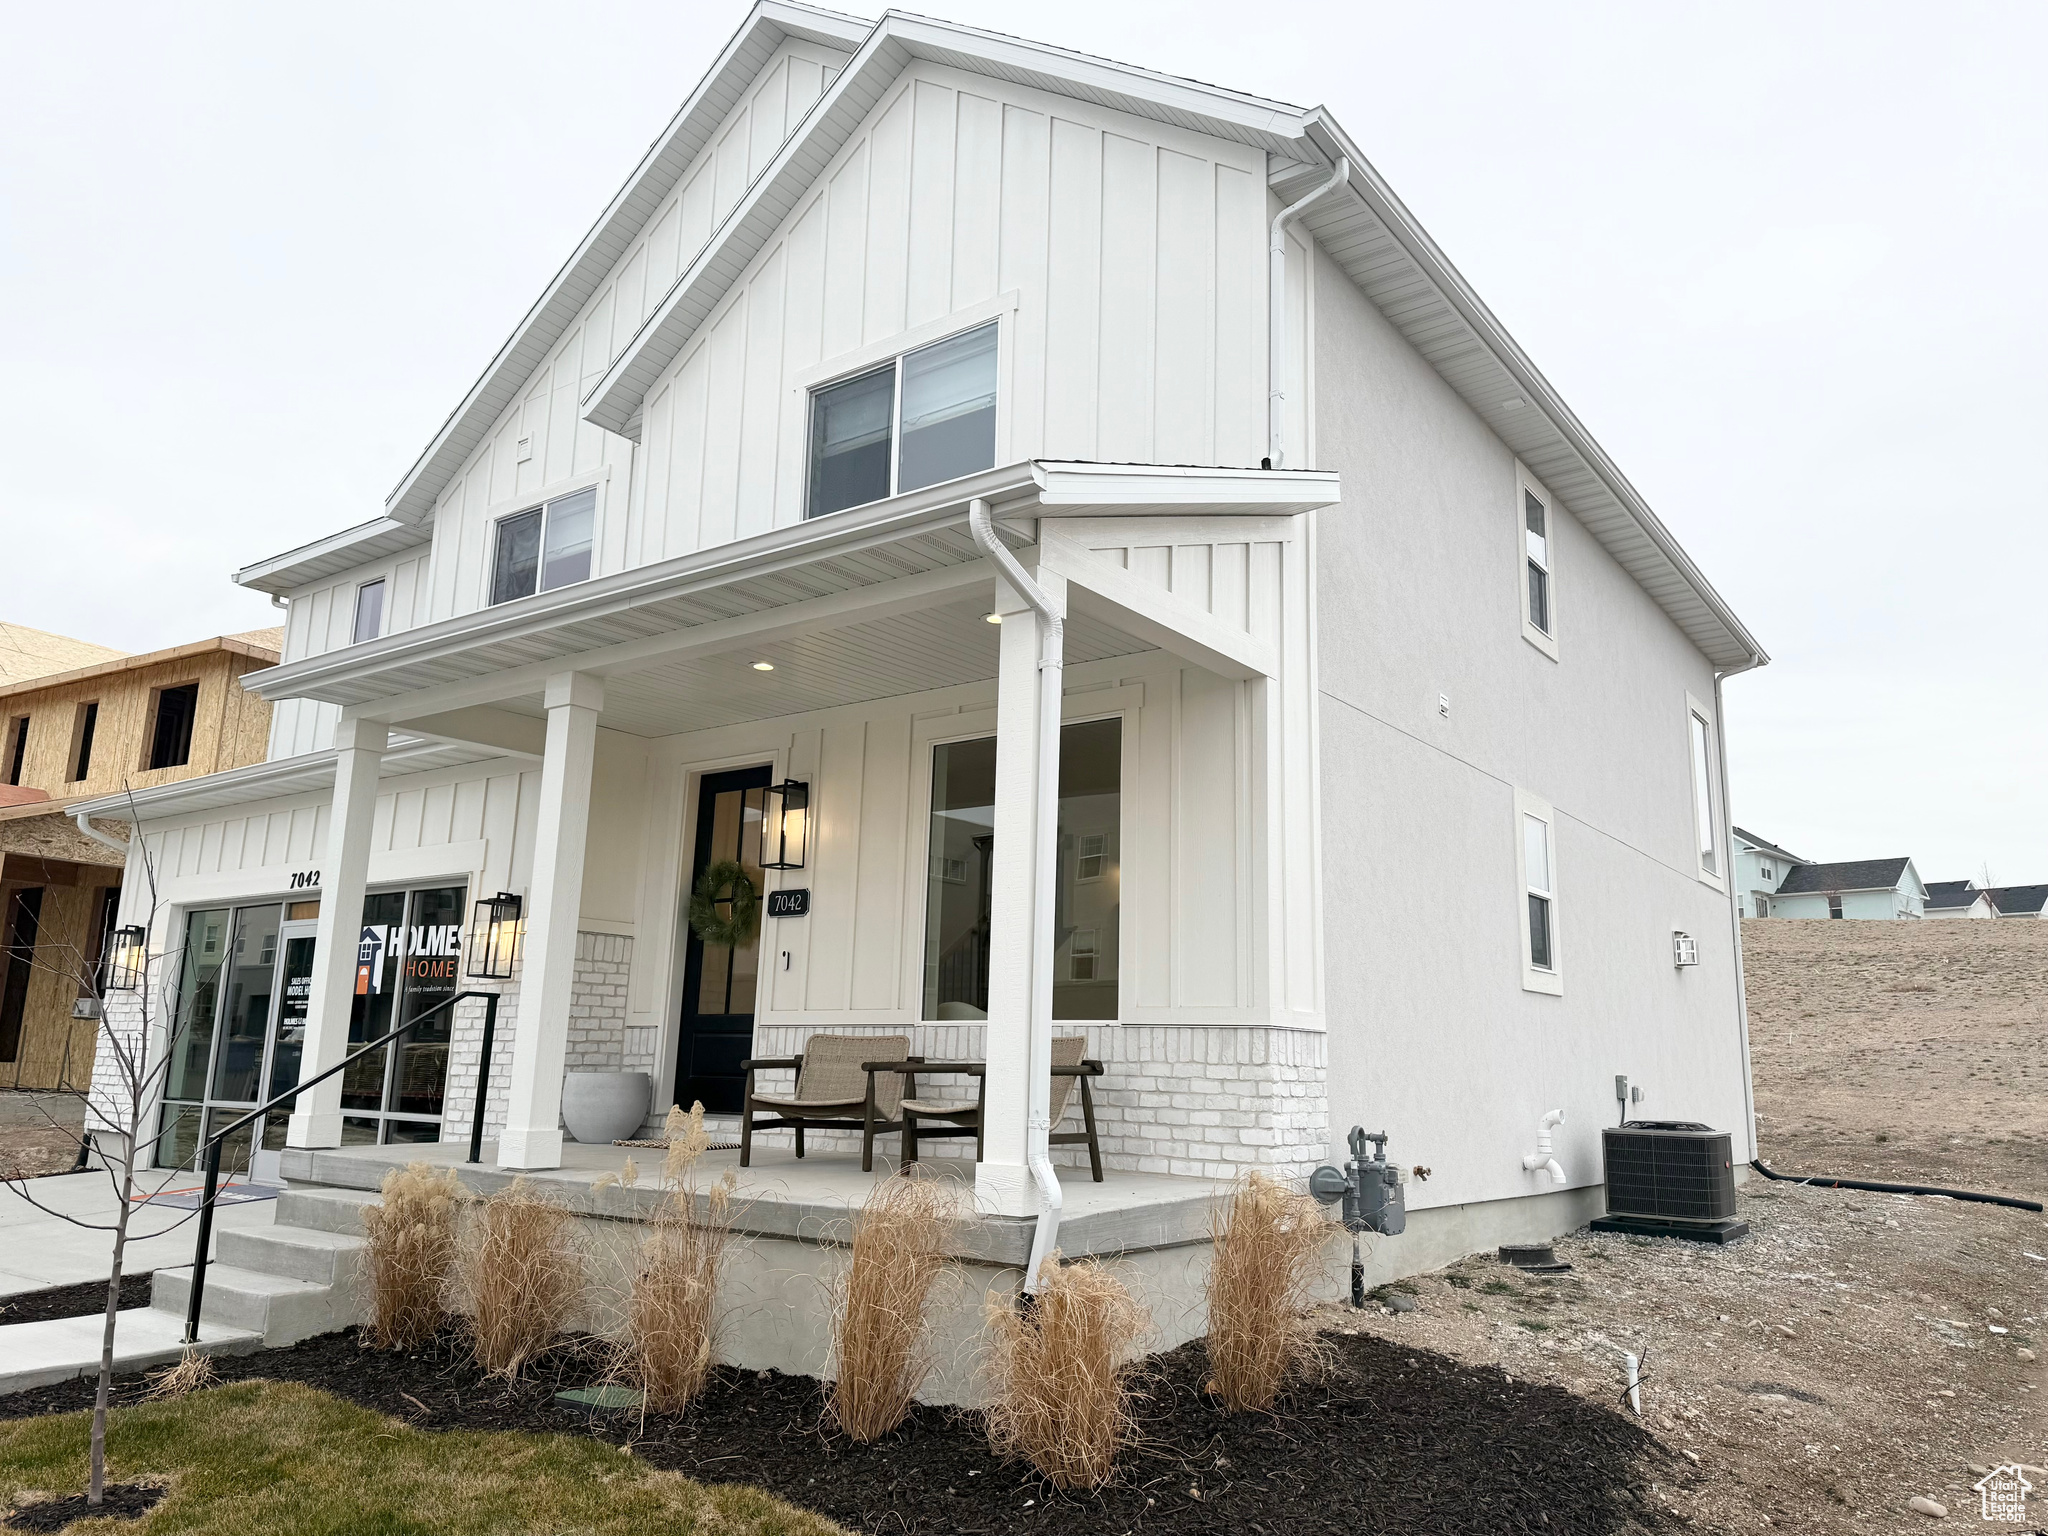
(39, 1250)
(40, 1354)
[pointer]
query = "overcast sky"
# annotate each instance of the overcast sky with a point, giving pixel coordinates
(1785, 260)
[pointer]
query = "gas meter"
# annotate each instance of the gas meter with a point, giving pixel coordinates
(1370, 1188)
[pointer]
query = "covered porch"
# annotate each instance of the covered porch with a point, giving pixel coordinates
(1091, 591)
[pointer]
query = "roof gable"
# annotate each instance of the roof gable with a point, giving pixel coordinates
(1851, 875)
(1758, 845)
(2017, 900)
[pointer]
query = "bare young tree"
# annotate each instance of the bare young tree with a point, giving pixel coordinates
(130, 1071)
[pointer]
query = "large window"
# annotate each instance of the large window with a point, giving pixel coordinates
(1705, 844)
(170, 737)
(1536, 862)
(544, 547)
(957, 922)
(944, 398)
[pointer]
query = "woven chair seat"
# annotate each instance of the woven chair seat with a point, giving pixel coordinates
(935, 1107)
(790, 1102)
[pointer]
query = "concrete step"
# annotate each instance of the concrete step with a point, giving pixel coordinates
(324, 1209)
(41, 1354)
(281, 1309)
(297, 1253)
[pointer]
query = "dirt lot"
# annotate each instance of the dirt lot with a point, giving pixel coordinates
(38, 1132)
(1844, 1359)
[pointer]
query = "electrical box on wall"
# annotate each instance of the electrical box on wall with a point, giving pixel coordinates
(1685, 950)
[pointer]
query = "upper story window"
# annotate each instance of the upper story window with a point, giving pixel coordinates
(1700, 745)
(544, 547)
(1536, 554)
(86, 726)
(918, 419)
(170, 737)
(369, 610)
(17, 747)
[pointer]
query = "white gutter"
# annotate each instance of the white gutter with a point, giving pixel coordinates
(119, 845)
(1276, 322)
(1045, 833)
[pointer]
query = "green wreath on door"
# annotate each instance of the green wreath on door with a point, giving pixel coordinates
(725, 883)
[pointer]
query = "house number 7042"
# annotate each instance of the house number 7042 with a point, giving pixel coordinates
(305, 879)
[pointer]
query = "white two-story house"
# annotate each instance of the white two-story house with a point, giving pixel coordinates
(1158, 596)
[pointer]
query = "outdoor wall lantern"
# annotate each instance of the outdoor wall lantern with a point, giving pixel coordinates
(494, 937)
(127, 959)
(785, 824)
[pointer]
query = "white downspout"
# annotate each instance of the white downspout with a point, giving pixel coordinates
(1045, 827)
(1724, 829)
(1276, 323)
(1541, 1158)
(84, 825)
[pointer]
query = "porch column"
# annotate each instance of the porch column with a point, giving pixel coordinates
(344, 872)
(1019, 1033)
(532, 1137)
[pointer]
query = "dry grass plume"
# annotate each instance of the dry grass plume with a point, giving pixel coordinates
(192, 1372)
(1269, 1243)
(1060, 1374)
(409, 1257)
(878, 1335)
(519, 1277)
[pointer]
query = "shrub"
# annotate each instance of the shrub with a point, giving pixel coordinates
(878, 1342)
(519, 1277)
(1061, 1374)
(672, 1314)
(410, 1253)
(1269, 1243)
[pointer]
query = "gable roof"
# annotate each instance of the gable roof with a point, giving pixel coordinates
(1950, 887)
(259, 645)
(30, 653)
(1944, 895)
(1853, 875)
(2018, 900)
(1761, 846)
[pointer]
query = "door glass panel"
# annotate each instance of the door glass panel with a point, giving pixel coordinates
(245, 1019)
(179, 1142)
(234, 1152)
(729, 975)
(296, 995)
(413, 1130)
(432, 968)
(358, 1131)
(205, 950)
(377, 981)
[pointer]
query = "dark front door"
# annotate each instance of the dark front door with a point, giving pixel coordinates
(719, 979)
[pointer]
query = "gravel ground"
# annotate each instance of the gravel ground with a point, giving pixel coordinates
(1843, 1360)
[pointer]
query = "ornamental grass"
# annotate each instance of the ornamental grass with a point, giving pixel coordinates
(409, 1253)
(880, 1347)
(1267, 1254)
(1060, 1370)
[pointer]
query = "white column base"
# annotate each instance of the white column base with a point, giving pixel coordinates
(529, 1148)
(312, 1130)
(1005, 1189)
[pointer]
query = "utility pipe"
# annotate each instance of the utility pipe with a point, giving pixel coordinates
(1829, 1181)
(80, 820)
(1045, 836)
(1541, 1158)
(1276, 323)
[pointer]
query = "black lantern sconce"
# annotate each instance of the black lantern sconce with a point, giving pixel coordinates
(127, 959)
(494, 937)
(785, 824)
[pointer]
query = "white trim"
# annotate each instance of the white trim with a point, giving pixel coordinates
(1527, 485)
(1546, 979)
(1717, 794)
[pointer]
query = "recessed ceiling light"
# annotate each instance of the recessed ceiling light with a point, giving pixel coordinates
(764, 666)
(991, 618)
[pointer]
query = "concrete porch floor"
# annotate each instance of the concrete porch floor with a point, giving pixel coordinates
(812, 1199)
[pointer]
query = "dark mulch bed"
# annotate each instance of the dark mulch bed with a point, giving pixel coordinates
(88, 1299)
(118, 1501)
(1395, 1441)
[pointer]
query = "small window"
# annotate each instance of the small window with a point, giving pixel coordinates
(170, 740)
(1704, 841)
(1092, 854)
(545, 547)
(1536, 544)
(17, 747)
(1082, 957)
(1536, 853)
(944, 396)
(1834, 906)
(81, 742)
(1536, 859)
(1765, 870)
(369, 610)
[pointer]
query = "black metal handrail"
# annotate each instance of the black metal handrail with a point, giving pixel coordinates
(214, 1143)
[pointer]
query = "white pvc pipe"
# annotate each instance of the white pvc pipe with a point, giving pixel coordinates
(1541, 1158)
(1276, 323)
(1044, 889)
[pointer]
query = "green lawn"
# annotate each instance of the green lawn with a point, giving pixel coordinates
(264, 1456)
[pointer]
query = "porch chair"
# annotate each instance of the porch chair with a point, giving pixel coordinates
(832, 1093)
(964, 1119)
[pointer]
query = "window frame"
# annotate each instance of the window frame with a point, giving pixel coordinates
(1549, 979)
(16, 749)
(869, 359)
(1527, 485)
(382, 581)
(85, 720)
(1697, 713)
(542, 503)
(149, 735)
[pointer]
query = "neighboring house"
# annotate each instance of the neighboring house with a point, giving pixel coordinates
(2020, 900)
(1760, 868)
(719, 519)
(1869, 888)
(28, 653)
(108, 722)
(1959, 898)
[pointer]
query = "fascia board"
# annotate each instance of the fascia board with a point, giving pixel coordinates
(412, 499)
(895, 42)
(1435, 267)
(1072, 489)
(338, 551)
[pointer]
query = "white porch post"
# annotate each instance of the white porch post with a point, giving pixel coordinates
(532, 1137)
(1019, 1035)
(345, 871)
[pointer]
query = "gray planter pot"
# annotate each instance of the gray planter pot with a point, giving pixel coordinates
(602, 1107)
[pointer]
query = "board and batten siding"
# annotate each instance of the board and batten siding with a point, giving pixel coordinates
(561, 451)
(322, 619)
